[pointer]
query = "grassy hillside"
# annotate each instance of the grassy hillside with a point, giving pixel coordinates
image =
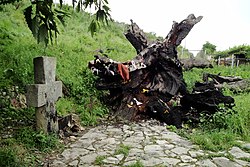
(75, 47)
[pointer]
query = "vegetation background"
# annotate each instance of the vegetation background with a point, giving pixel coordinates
(74, 48)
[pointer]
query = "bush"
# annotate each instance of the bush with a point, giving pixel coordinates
(8, 157)
(38, 140)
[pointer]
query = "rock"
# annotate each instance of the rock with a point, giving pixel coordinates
(111, 160)
(186, 158)
(205, 163)
(238, 153)
(224, 162)
(73, 163)
(246, 146)
(180, 150)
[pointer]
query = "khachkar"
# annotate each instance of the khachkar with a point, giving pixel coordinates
(44, 93)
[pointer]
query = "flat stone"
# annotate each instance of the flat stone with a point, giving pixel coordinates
(180, 150)
(88, 159)
(93, 136)
(206, 163)
(246, 146)
(170, 161)
(84, 143)
(186, 164)
(152, 161)
(241, 162)
(57, 163)
(129, 163)
(152, 148)
(170, 154)
(73, 163)
(196, 154)
(186, 158)
(120, 156)
(111, 160)
(162, 142)
(135, 151)
(71, 154)
(224, 162)
(238, 153)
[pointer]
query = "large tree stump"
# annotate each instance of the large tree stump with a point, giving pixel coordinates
(153, 78)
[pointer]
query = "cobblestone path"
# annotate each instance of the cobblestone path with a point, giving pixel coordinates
(145, 144)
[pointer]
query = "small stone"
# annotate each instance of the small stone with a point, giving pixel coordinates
(246, 146)
(57, 163)
(111, 160)
(152, 161)
(186, 158)
(224, 162)
(205, 163)
(238, 153)
(186, 165)
(196, 154)
(119, 157)
(180, 150)
(241, 162)
(170, 161)
(152, 148)
(88, 159)
(73, 163)
(72, 138)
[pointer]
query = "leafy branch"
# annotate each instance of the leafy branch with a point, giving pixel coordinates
(42, 20)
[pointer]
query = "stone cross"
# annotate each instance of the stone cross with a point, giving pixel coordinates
(44, 93)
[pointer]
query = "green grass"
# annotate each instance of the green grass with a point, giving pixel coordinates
(123, 149)
(222, 130)
(75, 47)
(136, 164)
(99, 160)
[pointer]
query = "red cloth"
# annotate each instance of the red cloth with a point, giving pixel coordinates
(123, 71)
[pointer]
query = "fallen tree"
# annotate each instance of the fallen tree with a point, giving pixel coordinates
(152, 83)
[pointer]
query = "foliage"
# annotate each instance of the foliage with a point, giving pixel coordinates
(241, 49)
(123, 149)
(44, 22)
(38, 140)
(8, 157)
(136, 164)
(209, 48)
(3, 2)
(99, 160)
(23, 148)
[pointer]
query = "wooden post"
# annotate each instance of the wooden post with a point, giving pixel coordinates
(44, 94)
(232, 61)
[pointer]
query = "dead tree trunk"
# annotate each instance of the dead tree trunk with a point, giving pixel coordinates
(147, 84)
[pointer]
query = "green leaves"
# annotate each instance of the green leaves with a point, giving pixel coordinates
(93, 27)
(42, 20)
(102, 15)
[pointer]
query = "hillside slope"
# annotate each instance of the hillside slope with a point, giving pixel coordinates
(75, 47)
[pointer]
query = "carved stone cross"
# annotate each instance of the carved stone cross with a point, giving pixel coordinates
(44, 93)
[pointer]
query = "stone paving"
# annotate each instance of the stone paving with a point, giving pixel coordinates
(143, 144)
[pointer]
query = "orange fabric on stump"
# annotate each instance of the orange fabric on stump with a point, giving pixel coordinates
(123, 71)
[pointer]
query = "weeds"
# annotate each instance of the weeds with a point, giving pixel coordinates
(99, 160)
(136, 164)
(123, 149)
